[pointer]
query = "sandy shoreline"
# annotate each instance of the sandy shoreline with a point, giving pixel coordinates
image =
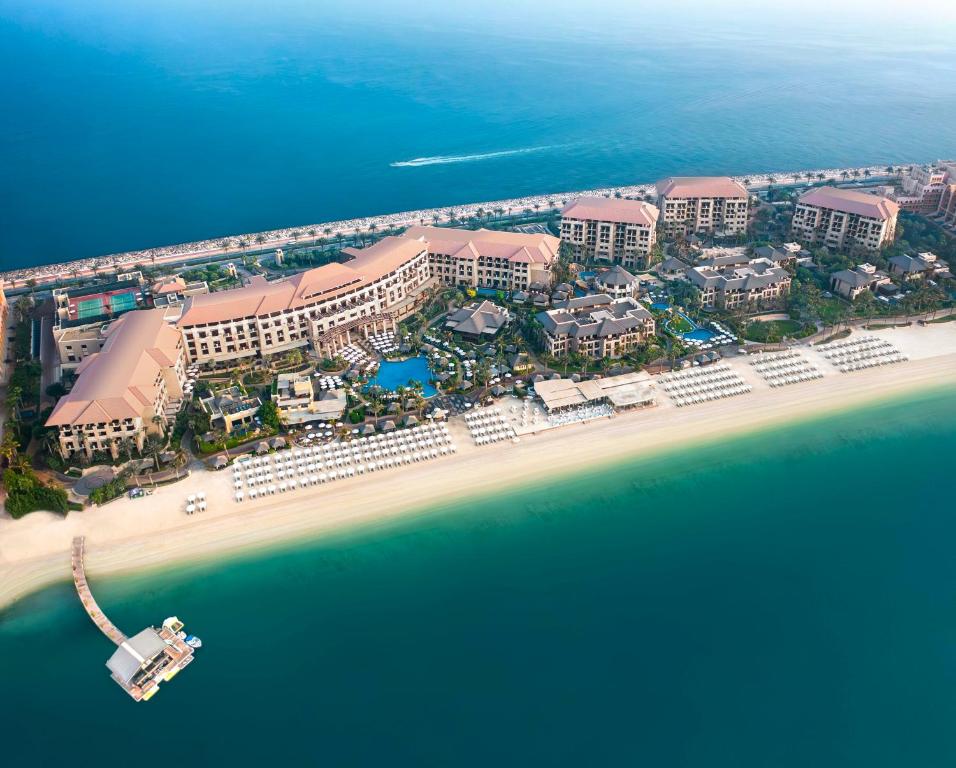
(212, 247)
(130, 535)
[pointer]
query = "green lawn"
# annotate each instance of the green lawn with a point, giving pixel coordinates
(774, 330)
(677, 324)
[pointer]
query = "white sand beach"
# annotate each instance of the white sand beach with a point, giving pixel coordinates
(129, 535)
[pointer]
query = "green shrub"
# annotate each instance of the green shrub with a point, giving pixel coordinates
(27, 493)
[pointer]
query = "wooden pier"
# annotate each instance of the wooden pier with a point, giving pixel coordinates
(105, 626)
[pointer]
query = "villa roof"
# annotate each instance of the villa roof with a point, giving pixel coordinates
(610, 318)
(700, 186)
(616, 276)
(856, 278)
(168, 285)
(758, 273)
(612, 209)
(119, 381)
(484, 318)
(262, 297)
(851, 201)
(673, 264)
(530, 248)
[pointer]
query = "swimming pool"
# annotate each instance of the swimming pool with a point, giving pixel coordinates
(586, 275)
(660, 306)
(699, 334)
(391, 375)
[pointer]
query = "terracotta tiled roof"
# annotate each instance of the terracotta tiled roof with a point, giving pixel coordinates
(700, 186)
(612, 209)
(851, 201)
(119, 381)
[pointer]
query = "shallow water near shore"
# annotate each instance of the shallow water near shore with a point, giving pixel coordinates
(136, 125)
(784, 598)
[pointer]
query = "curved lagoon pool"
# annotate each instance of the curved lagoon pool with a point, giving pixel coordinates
(699, 334)
(391, 375)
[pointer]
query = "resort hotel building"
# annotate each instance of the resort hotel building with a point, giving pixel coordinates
(124, 391)
(923, 187)
(321, 306)
(690, 204)
(842, 218)
(484, 258)
(379, 286)
(608, 229)
(595, 326)
(758, 283)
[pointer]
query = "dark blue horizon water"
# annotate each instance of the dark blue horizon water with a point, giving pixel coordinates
(783, 599)
(130, 124)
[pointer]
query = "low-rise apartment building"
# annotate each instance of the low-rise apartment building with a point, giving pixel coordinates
(596, 326)
(126, 390)
(611, 229)
(484, 258)
(321, 306)
(691, 204)
(844, 218)
(758, 283)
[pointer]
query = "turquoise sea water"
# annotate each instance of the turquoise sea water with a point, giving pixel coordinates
(130, 124)
(784, 599)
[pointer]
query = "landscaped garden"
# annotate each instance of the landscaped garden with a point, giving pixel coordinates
(770, 331)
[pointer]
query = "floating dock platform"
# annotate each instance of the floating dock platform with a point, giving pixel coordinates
(141, 662)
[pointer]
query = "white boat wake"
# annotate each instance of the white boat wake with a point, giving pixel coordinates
(446, 159)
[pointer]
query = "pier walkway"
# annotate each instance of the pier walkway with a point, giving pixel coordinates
(105, 626)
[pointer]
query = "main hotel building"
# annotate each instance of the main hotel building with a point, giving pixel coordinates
(378, 287)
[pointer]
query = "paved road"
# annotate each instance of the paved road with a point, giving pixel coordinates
(48, 359)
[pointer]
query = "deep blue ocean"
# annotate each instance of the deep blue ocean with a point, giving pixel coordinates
(129, 124)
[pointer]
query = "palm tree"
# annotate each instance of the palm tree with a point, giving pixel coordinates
(312, 233)
(151, 447)
(436, 217)
(866, 173)
(260, 238)
(844, 175)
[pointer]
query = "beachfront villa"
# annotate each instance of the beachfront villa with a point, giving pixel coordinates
(691, 204)
(757, 283)
(850, 283)
(610, 229)
(298, 403)
(842, 218)
(230, 408)
(487, 259)
(479, 320)
(126, 390)
(616, 282)
(323, 306)
(921, 265)
(595, 326)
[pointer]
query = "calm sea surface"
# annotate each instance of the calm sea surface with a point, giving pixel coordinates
(129, 124)
(787, 599)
